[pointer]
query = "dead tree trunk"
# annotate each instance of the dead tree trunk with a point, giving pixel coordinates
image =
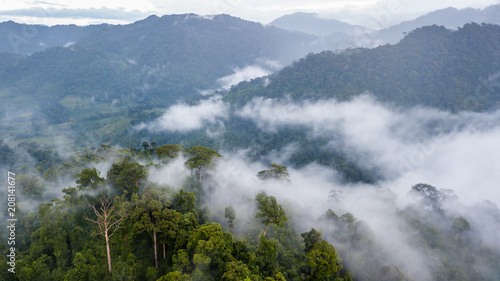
(108, 220)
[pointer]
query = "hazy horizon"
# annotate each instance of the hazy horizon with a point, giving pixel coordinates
(359, 12)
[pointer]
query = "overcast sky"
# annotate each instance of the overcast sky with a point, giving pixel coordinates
(50, 12)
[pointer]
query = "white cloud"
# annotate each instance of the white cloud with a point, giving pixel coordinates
(455, 151)
(184, 118)
(239, 75)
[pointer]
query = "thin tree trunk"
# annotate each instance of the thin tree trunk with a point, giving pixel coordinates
(156, 255)
(164, 256)
(107, 250)
(199, 172)
(265, 229)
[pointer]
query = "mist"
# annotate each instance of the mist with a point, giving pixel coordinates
(455, 152)
(184, 118)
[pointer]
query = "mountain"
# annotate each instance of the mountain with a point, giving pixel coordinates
(449, 17)
(431, 66)
(116, 73)
(26, 39)
(312, 24)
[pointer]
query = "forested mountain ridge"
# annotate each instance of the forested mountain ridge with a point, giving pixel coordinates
(26, 39)
(99, 83)
(431, 66)
(312, 24)
(449, 17)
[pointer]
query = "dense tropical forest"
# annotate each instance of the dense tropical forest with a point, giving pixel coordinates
(122, 225)
(185, 147)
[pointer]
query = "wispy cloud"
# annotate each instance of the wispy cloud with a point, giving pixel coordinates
(407, 146)
(184, 117)
(101, 13)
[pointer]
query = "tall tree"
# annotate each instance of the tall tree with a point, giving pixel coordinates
(127, 176)
(108, 219)
(145, 144)
(230, 215)
(276, 172)
(201, 157)
(460, 225)
(269, 209)
(148, 215)
(89, 178)
(310, 238)
(323, 261)
(168, 151)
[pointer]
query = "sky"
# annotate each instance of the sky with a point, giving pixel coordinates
(51, 12)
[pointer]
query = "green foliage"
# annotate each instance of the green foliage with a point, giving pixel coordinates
(175, 276)
(230, 215)
(323, 261)
(460, 225)
(168, 151)
(277, 172)
(89, 178)
(427, 67)
(311, 238)
(56, 243)
(236, 271)
(127, 176)
(270, 211)
(185, 202)
(201, 157)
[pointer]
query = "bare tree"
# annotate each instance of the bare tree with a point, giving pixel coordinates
(108, 220)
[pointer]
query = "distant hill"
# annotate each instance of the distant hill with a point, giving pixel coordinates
(449, 17)
(114, 74)
(431, 66)
(312, 24)
(26, 39)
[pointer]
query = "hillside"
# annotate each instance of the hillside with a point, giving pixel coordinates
(449, 17)
(431, 66)
(96, 85)
(25, 39)
(312, 24)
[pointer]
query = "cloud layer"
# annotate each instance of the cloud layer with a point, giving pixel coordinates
(456, 151)
(184, 118)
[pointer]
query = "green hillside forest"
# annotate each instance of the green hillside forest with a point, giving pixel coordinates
(190, 148)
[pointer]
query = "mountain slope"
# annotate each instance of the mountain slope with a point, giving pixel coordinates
(26, 39)
(312, 24)
(115, 72)
(449, 17)
(432, 66)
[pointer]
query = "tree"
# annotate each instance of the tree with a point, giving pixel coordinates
(154, 145)
(108, 220)
(174, 276)
(212, 249)
(127, 176)
(429, 196)
(460, 225)
(145, 144)
(323, 261)
(185, 202)
(269, 209)
(89, 178)
(148, 215)
(201, 157)
(276, 172)
(230, 215)
(236, 271)
(311, 238)
(168, 151)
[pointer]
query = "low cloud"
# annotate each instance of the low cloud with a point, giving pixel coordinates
(262, 68)
(185, 118)
(408, 146)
